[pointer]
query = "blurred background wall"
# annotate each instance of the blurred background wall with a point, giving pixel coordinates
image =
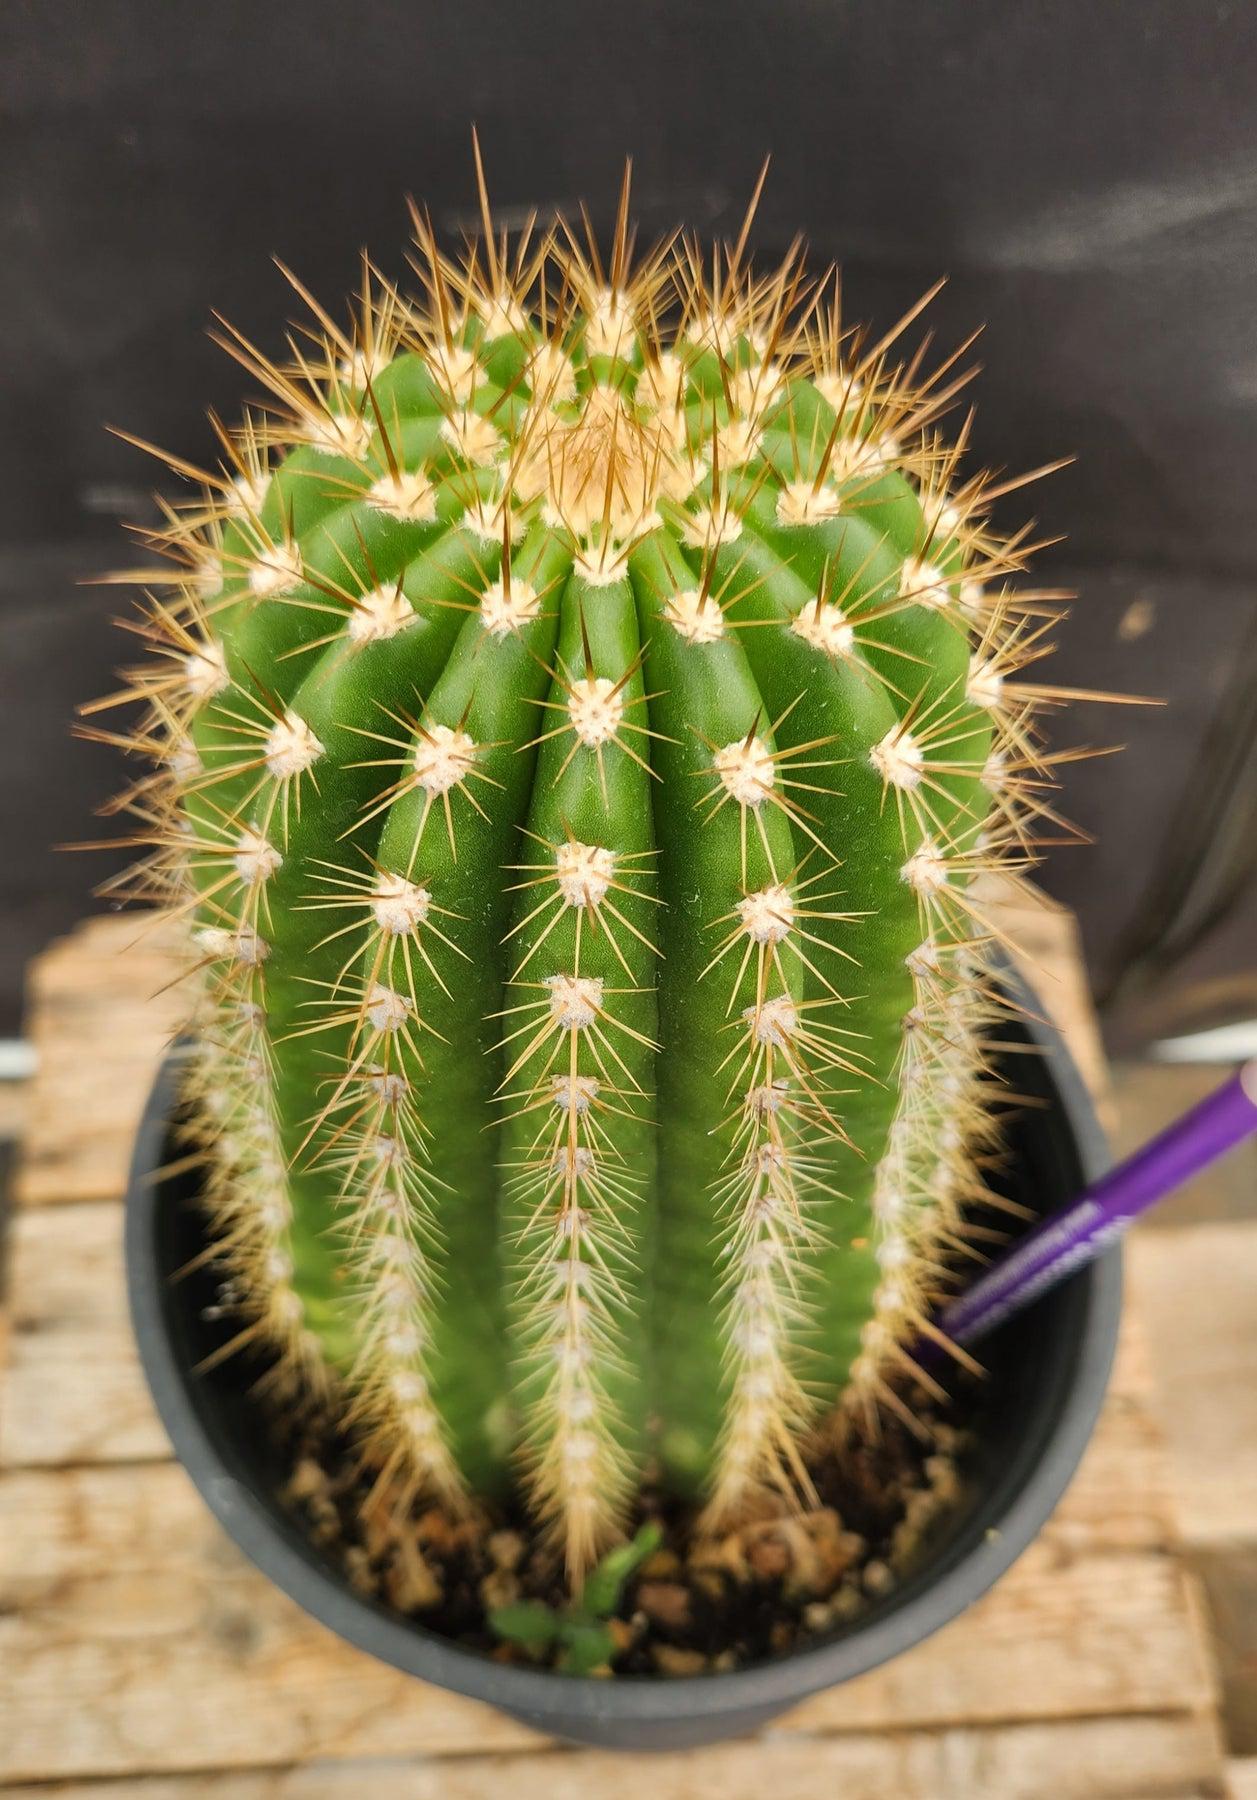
(1085, 174)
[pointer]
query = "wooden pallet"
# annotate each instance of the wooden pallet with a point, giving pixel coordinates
(140, 1656)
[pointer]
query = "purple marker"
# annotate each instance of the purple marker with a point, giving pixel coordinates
(1061, 1244)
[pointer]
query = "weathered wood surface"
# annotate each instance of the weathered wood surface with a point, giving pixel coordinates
(139, 1655)
(1094, 1759)
(74, 1392)
(1200, 1283)
(101, 1009)
(1241, 1779)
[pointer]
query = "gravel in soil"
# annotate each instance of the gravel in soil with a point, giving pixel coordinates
(695, 1605)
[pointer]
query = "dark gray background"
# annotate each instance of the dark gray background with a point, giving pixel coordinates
(1086, 174)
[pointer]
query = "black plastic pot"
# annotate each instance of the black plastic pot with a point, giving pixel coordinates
(1050, 1368)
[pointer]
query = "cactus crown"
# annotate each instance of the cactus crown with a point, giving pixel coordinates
(581, 706)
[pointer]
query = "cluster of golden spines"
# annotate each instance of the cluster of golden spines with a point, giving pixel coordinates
(604, 461)
(368, 1132)
(235, 1137)
(786, 1052)
(569, 1077)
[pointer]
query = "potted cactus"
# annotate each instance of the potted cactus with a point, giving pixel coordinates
(581, 711)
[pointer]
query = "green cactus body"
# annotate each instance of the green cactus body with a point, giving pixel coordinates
(579, 735)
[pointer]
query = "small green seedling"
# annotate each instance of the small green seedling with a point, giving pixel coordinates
(586, 1643)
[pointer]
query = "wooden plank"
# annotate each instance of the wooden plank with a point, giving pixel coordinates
(1100, 1759)
(136, 1638)
(100, 1012)
(165, 1652)
(1196, 1286)
(1120, 1499)
(1062, 1636)
(1045, 942)
(1241, 1778)
(74, 1391)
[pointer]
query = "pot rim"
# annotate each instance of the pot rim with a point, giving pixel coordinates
(547, 1697)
